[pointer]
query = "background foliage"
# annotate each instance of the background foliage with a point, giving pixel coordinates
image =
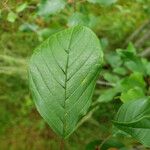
(123, 28)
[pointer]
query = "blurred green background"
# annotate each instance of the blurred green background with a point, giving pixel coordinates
(120, 24)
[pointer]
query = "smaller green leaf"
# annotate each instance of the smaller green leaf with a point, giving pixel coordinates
(120, 70)
(108, 95)
(132, 94)
(93, 20)
(104, 43)
(111, 77)
(45, 33)
(114, 60)
(26, 27)
(136, 66)
(131, 48)
(21, 7)
(49, 7)
(134, 118)
(134, 80)
(78, 18)
(126, 54)
(11, 17)
(131, 60)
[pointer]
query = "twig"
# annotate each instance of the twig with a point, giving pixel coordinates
(139, 43)
(5, 2)
(12, 70)
(104, 141)
(137, 32)
(88, 116)
(74, 5)
(19, 61)
(145, 53)
(13, 65)
(62, 144)
(32, 7)
(105, 83)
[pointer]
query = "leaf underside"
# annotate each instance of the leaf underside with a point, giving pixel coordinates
(62, 75)
(134, 118)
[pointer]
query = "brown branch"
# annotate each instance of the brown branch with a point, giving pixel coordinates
(140, 42)
(145, 53)
(136, 32)
(62, 144)
(105, 83)
(74, 6)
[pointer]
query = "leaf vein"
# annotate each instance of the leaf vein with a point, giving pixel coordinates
(47, 85)
(80, 66)
(77, 102)
(57, 61)
(78, 86)
(45, 101)
(52, 72)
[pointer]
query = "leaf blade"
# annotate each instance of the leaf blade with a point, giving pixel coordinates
(134, 118)
(65, 90)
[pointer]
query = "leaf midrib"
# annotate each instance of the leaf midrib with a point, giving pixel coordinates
(66, 78)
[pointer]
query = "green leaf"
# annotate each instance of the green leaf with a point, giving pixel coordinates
(111, 77)
(26, 27)
(134, 80)
(11, 17)
(120, 70)
(134, 118)
(77, 18)
(132, 94)
(45, 33)
(136, 66)
(62, 75)
(131, 48)
(21, 7)
(108, 95)
(132, 61)
(104, 43)
(114, 60)
(48, 7)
